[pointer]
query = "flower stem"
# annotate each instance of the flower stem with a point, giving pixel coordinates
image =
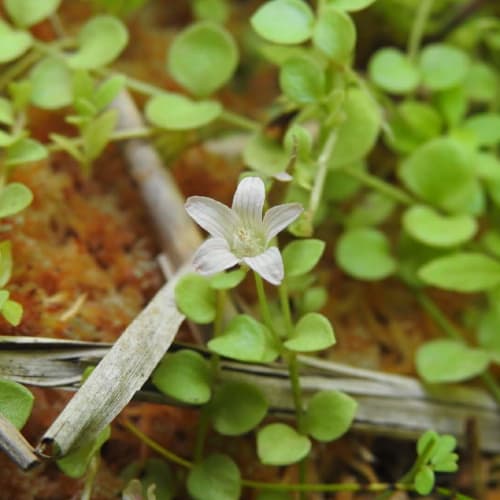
(319, 181)
(379, 185)
(240, 121)
(258, 485)
(263, 305)
(418, 28)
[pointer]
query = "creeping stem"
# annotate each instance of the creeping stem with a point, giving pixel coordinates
(418, 28)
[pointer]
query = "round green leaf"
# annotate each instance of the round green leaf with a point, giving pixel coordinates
(445, 445)
(329, 415)
(6, 112)
(14, 197)
(265, 155)
(487, 166)
(280, 444)
(245, 339)
(51, 85)
(452, 104)
(75, 464)
(217, 477)
(335, 35)
(485, 127)
(313, 332)
(373, 209)
(157, 472)
(462, 272)
(227, 279)
(481, 83)
(100, 41)
(302, 80)
(487, 334)
(313, 299)
(195, 298)
(202, 58)
(28, 12)
(24, 150)
(350, 5)
(364, 253)
(392, 71)
(237, 407)
(13, 43)
(443, 66)
(446, 361)
(441, 172)
(12, 311)
(424, 480)
(430, 227)
(413, 124)
(284, 21)
(300, 256)
(176, 112)
(16, 402)
(217, 11)
(339, 185)
(185, 376)
(358, 133)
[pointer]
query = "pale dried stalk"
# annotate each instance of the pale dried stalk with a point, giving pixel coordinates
(388, 404)
(121, 373)
(15, 446)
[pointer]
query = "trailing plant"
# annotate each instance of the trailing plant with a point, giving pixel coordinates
(398, 161)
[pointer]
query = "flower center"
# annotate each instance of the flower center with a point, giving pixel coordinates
(247, 242)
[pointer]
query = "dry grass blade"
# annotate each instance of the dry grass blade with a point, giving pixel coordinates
(15, 446)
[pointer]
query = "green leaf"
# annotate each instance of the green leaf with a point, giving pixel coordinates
(12, 311)
(313, 332)
(108, 90)
(16, 402)
(446, 361)
(313, 299)
(176, 112)
(424, 442)
(334, 34)
(217, 11)
(443, 452)
(237, 407)
(67, 145)
(100, 41)
(365, 254)
(358, 133)
(4, 297)
(452, 104)
(300, 256)
(424, 480)
(184, 375)
(430, 227)
(5, 264)
(443, 66)
(14, 197)
(462, 272)
(329, 415)
(280, 444)
(75, 463)
(157, 472)
(6, 112)
(51, 85)
(227, 279)
(393, 72)
(373, 209)
(487, 166)
(487, 334)
(202, 58)
(28, 12)
(97, 133)
(413, 123)
(441, 172)
(20, 92)
(447, 465)
(302, 80)
(23, 151)
(13, 43)
(350, 5)
(195, 298)
(485, 127)
(481, 82)
(265, 155)
(295, 21)
(245, 339)
(340, 186)
(217, 477)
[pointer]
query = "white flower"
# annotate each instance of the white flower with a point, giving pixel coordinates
(240, 234)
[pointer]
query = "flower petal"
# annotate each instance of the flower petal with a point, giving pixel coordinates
(279, 217)
(248, 201)
(214, 256)
(217, 219)
(268, 264)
